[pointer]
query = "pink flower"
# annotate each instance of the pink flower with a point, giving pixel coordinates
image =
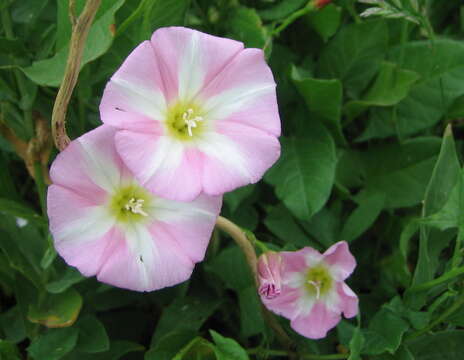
(314, 293)
(269, 269)
(104, 223)
(195, 113)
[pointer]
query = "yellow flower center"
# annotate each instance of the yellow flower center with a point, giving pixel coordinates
(318, 281)
(185, 121)
(130, 204)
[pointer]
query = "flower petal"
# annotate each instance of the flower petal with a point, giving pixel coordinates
(341, 261)
(285, 304)
(316, 324)
(244, 91)
(144, 259)
(349, 300)
(161, 164)
(179, 50)
(236, 155)
(190, 224)
(134, 97)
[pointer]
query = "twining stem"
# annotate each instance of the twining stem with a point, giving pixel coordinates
(292, 17)
(80, 30)
(242, 241)
(439, 280)
(248, 250)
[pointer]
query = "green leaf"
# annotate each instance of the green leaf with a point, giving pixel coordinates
(326, 21)
(227, 348)
(168, 346)
(444, 177)
(245, 25)
(50, 72)
(251, 319)
(445, 345)
(356, 344)
(187, 313)
(442, 82)
(12, 325)
(231, 267)
(234, 198)
(57, 310)
(402, 353)
(281, 223)
(92, 335)
(304, 175)
(354, 54)
(198, 348)
(17, 209)
(53, 344)
(281, 9)
(323, 99)
(401, 172)
(390, 87)
(363, 216)
(160, 13)
(385, 332)
(69, 278)
(8, 351)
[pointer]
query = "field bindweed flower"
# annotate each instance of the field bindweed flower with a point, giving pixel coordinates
(313, 293)
(195, 113)
(269, 270)
(105, 224)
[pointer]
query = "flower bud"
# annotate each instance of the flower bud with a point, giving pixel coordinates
(269, 273)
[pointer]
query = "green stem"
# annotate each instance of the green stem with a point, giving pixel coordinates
(39, 182)
(439, 280)
(456, 306)
(300, 356)
(291, 18)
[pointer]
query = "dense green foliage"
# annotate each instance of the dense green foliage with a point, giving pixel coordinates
(372, 109)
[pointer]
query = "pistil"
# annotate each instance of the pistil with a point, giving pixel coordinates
(189, 121)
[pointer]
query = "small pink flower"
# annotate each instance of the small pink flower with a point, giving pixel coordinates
(314, 293)
(105, 224)
(195, 113)
(269, 270)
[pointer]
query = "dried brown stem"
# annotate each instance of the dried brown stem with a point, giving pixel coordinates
(249, 251)
(80, 30)
(37, 150)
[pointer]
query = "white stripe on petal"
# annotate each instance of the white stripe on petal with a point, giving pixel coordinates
(149, 102)
(96, 222)
(222, 148)
(167, 156)
(222, 105)
(99, 165)
(191, 68)
(142, 246)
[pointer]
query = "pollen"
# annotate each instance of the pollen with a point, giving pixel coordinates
(184, 122)
(130, 204)
(318, 281)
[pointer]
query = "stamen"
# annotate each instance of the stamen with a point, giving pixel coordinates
(135, 206)
(191, 123)
(317, 286)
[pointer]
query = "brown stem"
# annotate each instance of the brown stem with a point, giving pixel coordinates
(36, 150)
(80, 30)
(249, 251)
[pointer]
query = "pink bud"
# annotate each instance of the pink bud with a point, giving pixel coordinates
(321, 3)
(269, 273)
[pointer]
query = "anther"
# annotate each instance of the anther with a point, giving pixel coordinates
(191, 123)
(135, 206)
